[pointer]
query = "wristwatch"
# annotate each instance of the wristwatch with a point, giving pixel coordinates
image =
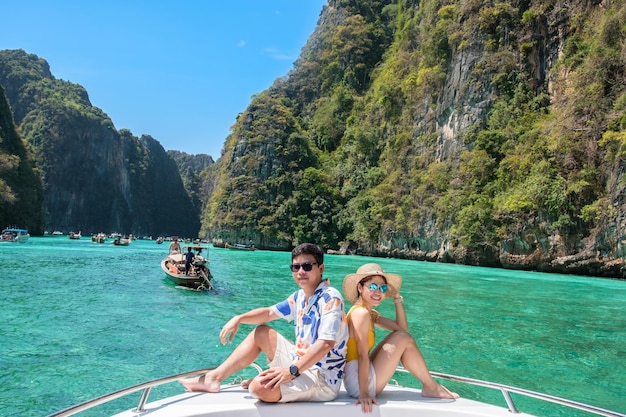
(293, 370)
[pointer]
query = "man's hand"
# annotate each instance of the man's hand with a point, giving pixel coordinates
(273, 377)
(229, 330)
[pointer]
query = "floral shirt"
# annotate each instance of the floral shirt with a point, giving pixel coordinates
(319, 317)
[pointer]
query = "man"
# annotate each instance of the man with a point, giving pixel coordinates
(309, 370)
(174, 246)
(189, 256)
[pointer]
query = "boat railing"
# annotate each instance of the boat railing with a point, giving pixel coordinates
(144, 387)
(506, 391)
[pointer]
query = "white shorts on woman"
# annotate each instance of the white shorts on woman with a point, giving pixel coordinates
(351, 379)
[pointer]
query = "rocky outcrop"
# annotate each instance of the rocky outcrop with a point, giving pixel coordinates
(96, 178)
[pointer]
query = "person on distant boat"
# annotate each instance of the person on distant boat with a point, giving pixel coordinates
(369, 368)
(309, 370)
(174, 246)
(189, 256)
(199, 260)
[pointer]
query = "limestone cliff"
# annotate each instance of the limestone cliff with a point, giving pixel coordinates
(96, 178)
(486, 133)
(21, 195)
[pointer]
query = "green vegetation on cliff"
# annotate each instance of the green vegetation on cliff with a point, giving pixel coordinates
(480, 132)
(20, 183)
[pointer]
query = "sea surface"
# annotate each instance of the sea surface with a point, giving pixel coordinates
(80, 319)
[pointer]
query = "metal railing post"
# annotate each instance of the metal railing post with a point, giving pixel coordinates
(142, 400)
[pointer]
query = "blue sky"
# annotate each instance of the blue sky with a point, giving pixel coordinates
(180, 71)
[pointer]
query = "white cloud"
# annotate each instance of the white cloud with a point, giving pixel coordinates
(277, 54)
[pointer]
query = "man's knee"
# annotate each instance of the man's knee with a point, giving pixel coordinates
(263, 336)
(258, 391)
(262, 329)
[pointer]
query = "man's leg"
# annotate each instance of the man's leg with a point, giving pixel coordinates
(261, 339)
(260, 386)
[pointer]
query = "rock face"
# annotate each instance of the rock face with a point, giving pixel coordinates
(96, 178)
(21, 196)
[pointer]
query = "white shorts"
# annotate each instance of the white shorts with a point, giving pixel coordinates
(309, 386)
(351, 379)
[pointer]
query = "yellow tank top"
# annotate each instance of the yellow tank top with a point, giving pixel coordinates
(352, 353)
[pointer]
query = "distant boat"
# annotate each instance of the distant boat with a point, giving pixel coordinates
(199, 276)
(75, 235)
(57, 233)
(122, 241)
(14, 235)
(99, 238)
(239, 246)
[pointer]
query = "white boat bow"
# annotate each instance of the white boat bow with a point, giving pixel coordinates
(395, 401)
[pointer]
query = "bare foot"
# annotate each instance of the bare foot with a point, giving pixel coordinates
(203, 383)
(439, 392)
(245, 383)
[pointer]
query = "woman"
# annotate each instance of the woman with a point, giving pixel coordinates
(368, 370)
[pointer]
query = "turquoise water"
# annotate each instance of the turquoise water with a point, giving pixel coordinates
(79, 319)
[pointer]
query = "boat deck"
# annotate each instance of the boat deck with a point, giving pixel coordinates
(395, 401)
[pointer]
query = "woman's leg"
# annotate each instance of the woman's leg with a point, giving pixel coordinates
(398, 347)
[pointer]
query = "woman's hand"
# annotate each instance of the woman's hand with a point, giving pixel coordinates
(367, 403)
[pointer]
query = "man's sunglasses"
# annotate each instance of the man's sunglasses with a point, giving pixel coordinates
(307, 266)
(373, 287)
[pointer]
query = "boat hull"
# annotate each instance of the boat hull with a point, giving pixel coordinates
(240, 247)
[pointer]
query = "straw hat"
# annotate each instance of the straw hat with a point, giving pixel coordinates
(351, 280)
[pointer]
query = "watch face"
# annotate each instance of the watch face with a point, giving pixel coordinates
(293, 370)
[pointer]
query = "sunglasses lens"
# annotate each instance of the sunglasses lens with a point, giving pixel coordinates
(307, 266)
(383, 288)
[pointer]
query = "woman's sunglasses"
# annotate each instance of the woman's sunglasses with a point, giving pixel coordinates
(307, 266)
(373, 287)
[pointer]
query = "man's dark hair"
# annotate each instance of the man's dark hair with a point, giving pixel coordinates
(309, 249)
